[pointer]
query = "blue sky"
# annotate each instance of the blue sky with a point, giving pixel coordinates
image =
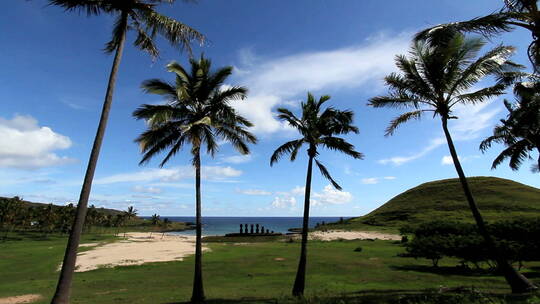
(54, 75)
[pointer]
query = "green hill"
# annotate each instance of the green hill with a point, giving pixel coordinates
(497, 198)
(28, 204)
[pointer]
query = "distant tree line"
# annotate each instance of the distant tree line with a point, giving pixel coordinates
(517, 240)
(18, 215)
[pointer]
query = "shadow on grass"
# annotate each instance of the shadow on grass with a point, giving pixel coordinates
(458, 295)
(446, 270)
(533, 274)
(241, 300)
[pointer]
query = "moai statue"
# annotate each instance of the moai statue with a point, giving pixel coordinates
(272, 232)
(257, 228)
(267, 231)
(251, 231)
(246, 229)
(241, 228)
(262, 229)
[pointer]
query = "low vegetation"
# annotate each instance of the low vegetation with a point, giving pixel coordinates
(518, 240)
(258, 273)
(17, 215)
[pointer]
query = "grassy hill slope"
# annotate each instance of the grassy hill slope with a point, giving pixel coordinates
(497, 198)
(28, 204)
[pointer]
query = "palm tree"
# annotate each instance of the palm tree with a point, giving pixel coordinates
(318, 129)
(129, 214)
(197, 113)
(9, 209)
(141, 17)
(520, 131)
(155, 219)
(436, 78)
(514, 13)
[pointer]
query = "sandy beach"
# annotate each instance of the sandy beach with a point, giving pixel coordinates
(136, 249)
(142, 247)
(333, 235)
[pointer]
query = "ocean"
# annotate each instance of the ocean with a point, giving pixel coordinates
(223, 225)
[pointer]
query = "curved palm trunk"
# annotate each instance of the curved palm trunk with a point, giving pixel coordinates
(518, 283)
(300, 281)
(198, 290)
(62, 293)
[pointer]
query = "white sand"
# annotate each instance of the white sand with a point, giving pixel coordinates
(28, 298)
(332, 235)
(137, 249)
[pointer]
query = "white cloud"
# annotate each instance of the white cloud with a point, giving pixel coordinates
(298, 190)
(277, 81)
(328, 196)
(447, 160)
(331, 196)
(472, 121)
(400, 160)
(213, 173)
(375, 180)
(370, 180)
(143, 189)
(284, 202)
(24, 144)
(237, 159)
(254, 192)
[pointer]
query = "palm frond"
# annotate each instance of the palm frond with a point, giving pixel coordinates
(289, 117)
(90, 7)
(160, 87)
(180, 141)
(487, 26)
(327, 175)
(119, 29)
(480, 95)
(286, 148)
(339, 144)
(177, 33)
(145, 41)
(401, 119)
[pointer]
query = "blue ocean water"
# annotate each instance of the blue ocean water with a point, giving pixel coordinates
(224, 225)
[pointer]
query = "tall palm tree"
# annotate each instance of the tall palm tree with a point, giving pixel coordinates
(514, 13)
(520, 131)
(318, 129)
(436, 78)
(141, 17)
(197, 113)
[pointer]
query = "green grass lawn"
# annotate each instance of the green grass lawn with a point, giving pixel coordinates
(257, 271)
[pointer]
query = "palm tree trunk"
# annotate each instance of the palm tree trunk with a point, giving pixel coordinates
(518, 283)
(198, 290)
(62, 293)
(300, 281)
